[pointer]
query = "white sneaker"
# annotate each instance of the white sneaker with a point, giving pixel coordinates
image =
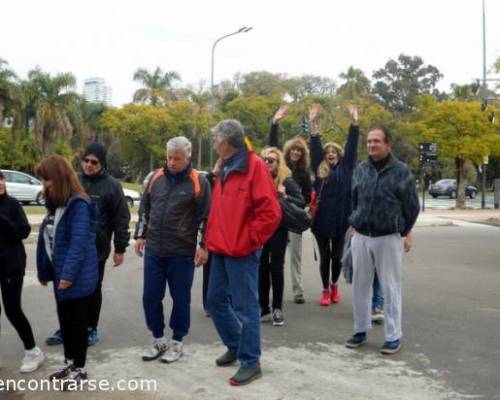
(32, 360)
(173, 353)
(157, 348)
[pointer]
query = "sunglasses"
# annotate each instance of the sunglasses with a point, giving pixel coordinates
(90, 161)
(270, 160)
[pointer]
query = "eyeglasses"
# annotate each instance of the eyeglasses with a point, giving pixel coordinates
(270, 160)
(90, 161)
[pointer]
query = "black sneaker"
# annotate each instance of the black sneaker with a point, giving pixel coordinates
(356, 340)
(63, 373)
(245, 375)
(299, 299)
(228, 358)
(75, 380)
(278, 319)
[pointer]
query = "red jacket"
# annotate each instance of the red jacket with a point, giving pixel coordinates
(245, 211)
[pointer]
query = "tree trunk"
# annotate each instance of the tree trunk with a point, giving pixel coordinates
(200, 142)
(460, 203)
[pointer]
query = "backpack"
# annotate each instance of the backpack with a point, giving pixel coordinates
(294, 218)
(194, 175)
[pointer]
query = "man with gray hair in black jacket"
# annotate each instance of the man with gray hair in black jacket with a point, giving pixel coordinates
(175, 205)
(385, 208)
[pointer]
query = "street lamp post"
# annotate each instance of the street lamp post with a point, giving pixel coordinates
(483, 169)
(212, 88)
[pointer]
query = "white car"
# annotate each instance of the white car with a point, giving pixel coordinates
(132, 196)
(23, 187)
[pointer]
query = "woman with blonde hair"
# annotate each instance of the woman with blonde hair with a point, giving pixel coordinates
(67, 256)
(333, 170)
(272, 260)
(297, 159)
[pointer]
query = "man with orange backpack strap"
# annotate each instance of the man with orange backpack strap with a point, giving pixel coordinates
(173, 209)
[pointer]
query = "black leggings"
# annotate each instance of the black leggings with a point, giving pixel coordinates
(330, 253)
(11, 296)
(73, 316)
(96, 300)
(271, 271)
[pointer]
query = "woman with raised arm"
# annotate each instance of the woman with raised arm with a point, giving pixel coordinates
(297, 160)
(333, 168)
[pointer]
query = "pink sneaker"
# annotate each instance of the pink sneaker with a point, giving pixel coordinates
(334, 293)
(325, 298)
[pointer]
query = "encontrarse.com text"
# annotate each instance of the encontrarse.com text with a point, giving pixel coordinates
(101, 385)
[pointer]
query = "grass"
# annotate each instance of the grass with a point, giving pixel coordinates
(132, 186)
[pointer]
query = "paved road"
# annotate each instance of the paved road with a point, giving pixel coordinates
(451, 325)
(444, 203)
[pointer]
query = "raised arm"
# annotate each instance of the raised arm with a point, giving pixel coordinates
(351, 147)
(273, 134)
(315, 146)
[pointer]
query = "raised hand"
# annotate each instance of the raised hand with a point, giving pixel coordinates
(353, 112)
(280, 114)
(314, 110)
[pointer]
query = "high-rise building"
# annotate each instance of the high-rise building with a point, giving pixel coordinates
(95, 90)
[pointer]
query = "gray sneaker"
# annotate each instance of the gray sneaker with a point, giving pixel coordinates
(378, 316)
(173, 353)
(299, 299)
(278, 319)
(156, 350)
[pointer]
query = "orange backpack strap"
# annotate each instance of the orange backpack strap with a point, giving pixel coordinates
(195, 177)
(159, 172)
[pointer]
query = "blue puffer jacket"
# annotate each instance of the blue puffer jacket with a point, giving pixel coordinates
(334, 206)
(75, 255)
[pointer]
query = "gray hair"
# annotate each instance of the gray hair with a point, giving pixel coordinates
(230, 131)
(180, 143)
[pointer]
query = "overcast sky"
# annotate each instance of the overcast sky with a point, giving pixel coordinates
(111, 39)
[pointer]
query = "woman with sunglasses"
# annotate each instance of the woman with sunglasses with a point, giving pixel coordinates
(272, 260)
(14, 227)
(333, 170)
(297, 159)
(67, 256)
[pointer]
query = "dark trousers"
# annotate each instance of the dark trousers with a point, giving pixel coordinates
(96, 300)
(330, 254)
(178, 272)
(206, 274)
(271, 270)
(73, 316)
(11, 297)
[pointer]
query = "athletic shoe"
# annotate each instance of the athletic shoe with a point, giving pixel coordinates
(325, 298)
(64, 372)
(299, 299)
(391, 347)
(173, 353)
(228, 358)
(356, 340)
(156, 350)
(32, 360)
(75, 380)
(93, 337)
(265, 315)
(334, 293)
(278, 319)
(55, 339)
(245, 375)
(378, 315)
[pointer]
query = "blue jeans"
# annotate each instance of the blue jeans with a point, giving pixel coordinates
(378, 295)
(233, 302)
(178, 272)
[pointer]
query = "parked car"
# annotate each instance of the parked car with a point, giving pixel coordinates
(23, 187)
(448, 187)
(132, 197)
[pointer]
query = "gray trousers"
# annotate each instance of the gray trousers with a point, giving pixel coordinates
(384, 255)
(295, 253)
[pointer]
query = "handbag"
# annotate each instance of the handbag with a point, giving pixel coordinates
(294, 218)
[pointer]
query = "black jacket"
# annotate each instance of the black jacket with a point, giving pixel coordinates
(14, 227)
(113, 216)
(302, 177)
(384, 202)
(170, 214)
(334, 205)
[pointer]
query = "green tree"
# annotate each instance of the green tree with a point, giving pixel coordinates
(462, 132)
(157, 86)
(356, 84)
(400, 81)
(7, 88)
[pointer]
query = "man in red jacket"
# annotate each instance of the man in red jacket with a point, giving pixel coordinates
(244, 214)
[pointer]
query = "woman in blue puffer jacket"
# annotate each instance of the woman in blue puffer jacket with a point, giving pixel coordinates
(66, 255)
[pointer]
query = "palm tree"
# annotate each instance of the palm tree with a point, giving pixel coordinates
(53, 98)
(356, 83)
(7, 87)
(200, 100)
(157, 86)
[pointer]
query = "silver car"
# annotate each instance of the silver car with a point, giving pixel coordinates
(24, 187)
